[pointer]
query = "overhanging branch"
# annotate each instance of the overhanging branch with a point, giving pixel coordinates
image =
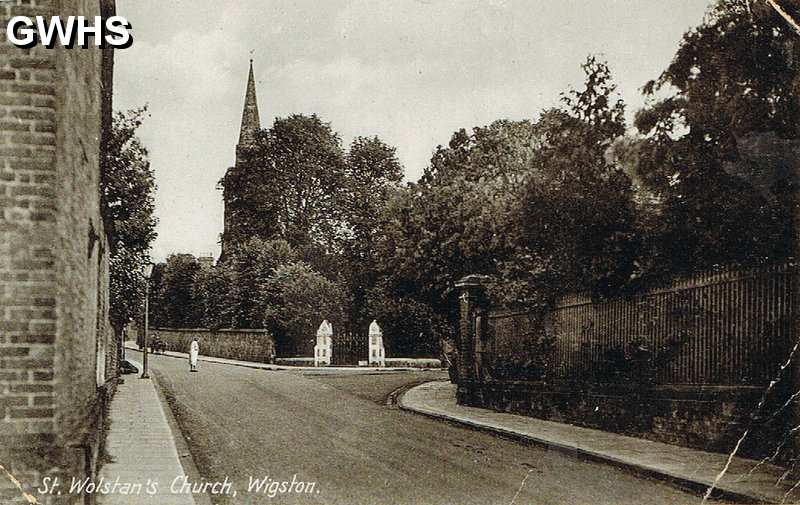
(785, 15)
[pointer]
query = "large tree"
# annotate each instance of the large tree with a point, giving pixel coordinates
(296, 299)
(250, 267)
(298, 185)
(577, 215)
(538, 206)
(289, 186)
(179, 307)
(127, 189)
(721, 120)
(215, 293)
(373, 173)
(455, 221)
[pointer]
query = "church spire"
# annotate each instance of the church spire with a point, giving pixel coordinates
(250, 121)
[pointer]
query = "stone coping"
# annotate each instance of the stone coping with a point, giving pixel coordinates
(745, 480)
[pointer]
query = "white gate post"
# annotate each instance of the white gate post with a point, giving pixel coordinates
(377, 353)
(322, 351)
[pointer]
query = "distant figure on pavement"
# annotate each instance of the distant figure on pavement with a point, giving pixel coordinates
(194, 352)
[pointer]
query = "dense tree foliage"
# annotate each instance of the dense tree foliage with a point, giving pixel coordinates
(372, 174)
(577, 212)
(261, 284)
(175, 289)
(251, 265)
(214, 291)
(535, 205)
(289, 186)
(297, 185)
(296, 299)
(714, 148)
(157, 305)
(127, 192)
(574, 199)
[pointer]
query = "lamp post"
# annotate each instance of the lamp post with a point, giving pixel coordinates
(148, 271)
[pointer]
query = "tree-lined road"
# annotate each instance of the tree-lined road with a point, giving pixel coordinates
(334, 429)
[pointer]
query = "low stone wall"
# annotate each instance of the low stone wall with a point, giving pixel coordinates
(390, 362)
(414, 362)
(707, 418)
(297, 361)
(247, 345)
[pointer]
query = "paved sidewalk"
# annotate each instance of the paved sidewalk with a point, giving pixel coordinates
(745, 479)
(267, 366)
(142, 447)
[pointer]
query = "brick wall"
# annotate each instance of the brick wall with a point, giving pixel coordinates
(56, 350)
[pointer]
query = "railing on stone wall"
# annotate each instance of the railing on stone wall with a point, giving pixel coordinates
(725, 328)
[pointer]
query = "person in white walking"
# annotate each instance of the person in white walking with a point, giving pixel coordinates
(194, 352)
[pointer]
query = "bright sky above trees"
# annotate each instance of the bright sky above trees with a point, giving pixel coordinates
(409, 71)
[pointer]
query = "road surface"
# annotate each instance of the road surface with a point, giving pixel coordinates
(335, 431)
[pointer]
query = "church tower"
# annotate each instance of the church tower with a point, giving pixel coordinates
(251, 124)
(250, 120)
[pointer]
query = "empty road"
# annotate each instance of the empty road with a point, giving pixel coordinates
(333, 435)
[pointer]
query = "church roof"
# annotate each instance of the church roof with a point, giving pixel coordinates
(250, 120)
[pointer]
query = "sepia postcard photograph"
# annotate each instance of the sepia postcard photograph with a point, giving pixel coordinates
(399, 252)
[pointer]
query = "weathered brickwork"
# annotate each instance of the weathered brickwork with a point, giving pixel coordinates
(56, 350)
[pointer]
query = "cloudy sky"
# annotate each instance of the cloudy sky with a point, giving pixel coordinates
(409, 71)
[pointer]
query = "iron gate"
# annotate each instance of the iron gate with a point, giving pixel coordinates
(349, 348)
